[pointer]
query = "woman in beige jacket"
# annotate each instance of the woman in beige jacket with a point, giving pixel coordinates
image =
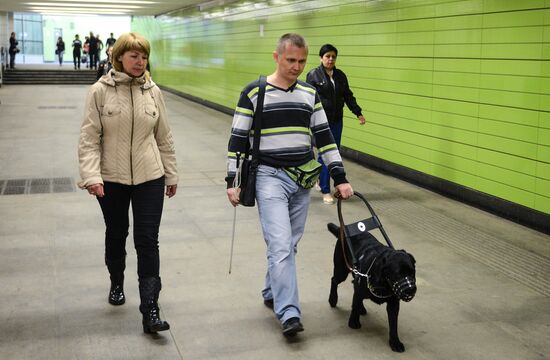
(127, 155)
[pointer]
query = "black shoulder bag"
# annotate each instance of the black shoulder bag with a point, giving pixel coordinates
(249, 167)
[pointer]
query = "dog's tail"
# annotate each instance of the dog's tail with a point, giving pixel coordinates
(334, 229)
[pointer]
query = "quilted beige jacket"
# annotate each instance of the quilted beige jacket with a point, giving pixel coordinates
(125, 137)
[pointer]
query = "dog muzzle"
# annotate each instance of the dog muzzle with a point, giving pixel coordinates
(405, 289)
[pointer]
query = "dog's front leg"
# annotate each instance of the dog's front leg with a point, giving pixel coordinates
(393, 313)
(356, 307)
(339, 275)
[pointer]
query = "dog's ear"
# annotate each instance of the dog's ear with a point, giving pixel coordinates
(334, 229)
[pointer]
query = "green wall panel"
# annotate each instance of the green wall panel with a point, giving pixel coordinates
(451, 174)
(455, 93)
(455, 120)
(513, 19)
(544, 137)
(513, 35)
(543, 172)
(507, 161)
(511, 131)
(511, 51)
(507, 114)
(458, 7)
(510, 5)
(460, 22)
(507, 146)
(514, 67)
(508, 192)
(468, 36)
(542, 203)
(457, 89)
(457, 65)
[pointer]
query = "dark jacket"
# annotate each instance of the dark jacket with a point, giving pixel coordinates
(93, 45)
(103, 68)
(333, 101)
(77, 46)
(13, 45)
(60, 46)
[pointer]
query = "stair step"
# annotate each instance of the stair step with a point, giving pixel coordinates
(62, 77)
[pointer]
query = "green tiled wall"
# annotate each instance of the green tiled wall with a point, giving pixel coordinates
(456, 89)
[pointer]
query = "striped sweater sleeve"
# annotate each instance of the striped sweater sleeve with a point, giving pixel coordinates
(325, 143)
(240, 132)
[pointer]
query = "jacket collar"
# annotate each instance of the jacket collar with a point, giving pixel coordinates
(321, 70)
(116, 78)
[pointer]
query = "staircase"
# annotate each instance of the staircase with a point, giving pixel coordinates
(41, 76)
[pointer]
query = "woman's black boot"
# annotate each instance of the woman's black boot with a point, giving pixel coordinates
(149, 289)
(116, 270)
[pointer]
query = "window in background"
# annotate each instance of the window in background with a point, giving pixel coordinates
(28, 29)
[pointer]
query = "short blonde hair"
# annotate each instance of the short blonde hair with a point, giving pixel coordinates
(291, 39)
(130, 41)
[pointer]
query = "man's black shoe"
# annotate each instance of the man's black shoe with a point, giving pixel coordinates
(269, 303)
(292, 326)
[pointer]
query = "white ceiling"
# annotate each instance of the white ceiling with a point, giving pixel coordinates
(103, 7)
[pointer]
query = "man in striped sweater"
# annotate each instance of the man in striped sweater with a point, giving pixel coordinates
(291, 116)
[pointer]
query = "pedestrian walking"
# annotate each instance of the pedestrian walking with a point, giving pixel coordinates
(292, 115)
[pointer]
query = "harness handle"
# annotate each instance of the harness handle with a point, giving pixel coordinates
(345, 239)
(365, 225)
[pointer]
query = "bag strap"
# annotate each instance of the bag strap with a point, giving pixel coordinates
(258, 120)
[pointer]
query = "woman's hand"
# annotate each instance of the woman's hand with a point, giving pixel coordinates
(171, 190)
(361, 119)
(96, 190)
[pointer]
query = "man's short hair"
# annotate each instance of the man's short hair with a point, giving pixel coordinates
(128, 42)
(292, 39)
(327, 48)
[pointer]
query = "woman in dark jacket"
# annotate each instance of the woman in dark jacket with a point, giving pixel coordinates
(60, 49)
(333, 89)
(13, 50)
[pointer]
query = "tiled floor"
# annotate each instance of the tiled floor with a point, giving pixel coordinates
(483, 290)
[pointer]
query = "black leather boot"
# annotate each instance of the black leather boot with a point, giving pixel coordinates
(116, 271)
(149, 289)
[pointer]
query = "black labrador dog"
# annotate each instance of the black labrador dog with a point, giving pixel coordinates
(384, 275)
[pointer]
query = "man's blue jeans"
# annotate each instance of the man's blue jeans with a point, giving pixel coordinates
(282, 206)
(324, 177)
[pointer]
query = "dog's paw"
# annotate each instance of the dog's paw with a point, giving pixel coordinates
(397, 345)
(354, 323)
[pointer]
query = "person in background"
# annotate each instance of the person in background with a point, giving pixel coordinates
(60, 50)
(127, 156)
(106, 65)
(294, 117)
(77, 46)
(85, 51)
(99, 48)
(333, 89)
(13, 50)
(92, 50)
(110, 41)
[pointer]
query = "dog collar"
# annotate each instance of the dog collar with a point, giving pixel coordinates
(370, 286)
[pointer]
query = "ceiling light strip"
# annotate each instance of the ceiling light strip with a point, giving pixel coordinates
(77, 10)
(131, 2)
(83, 6)
(62, 6)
